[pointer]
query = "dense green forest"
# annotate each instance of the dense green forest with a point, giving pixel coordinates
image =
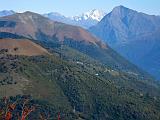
(77, 90)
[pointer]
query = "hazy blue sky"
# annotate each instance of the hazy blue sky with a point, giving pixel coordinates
(74, 7)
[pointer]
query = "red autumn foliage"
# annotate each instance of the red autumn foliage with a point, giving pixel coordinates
(7, 111)
(25, 112)
(8, 115)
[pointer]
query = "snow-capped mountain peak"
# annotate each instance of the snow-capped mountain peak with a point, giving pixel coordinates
(85, 20)
(92, 14)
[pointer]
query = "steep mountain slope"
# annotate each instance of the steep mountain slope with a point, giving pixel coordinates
(134, 35)
(31, 25)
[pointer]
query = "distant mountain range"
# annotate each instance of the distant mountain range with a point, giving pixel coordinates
(84, 20)
(134, 35)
